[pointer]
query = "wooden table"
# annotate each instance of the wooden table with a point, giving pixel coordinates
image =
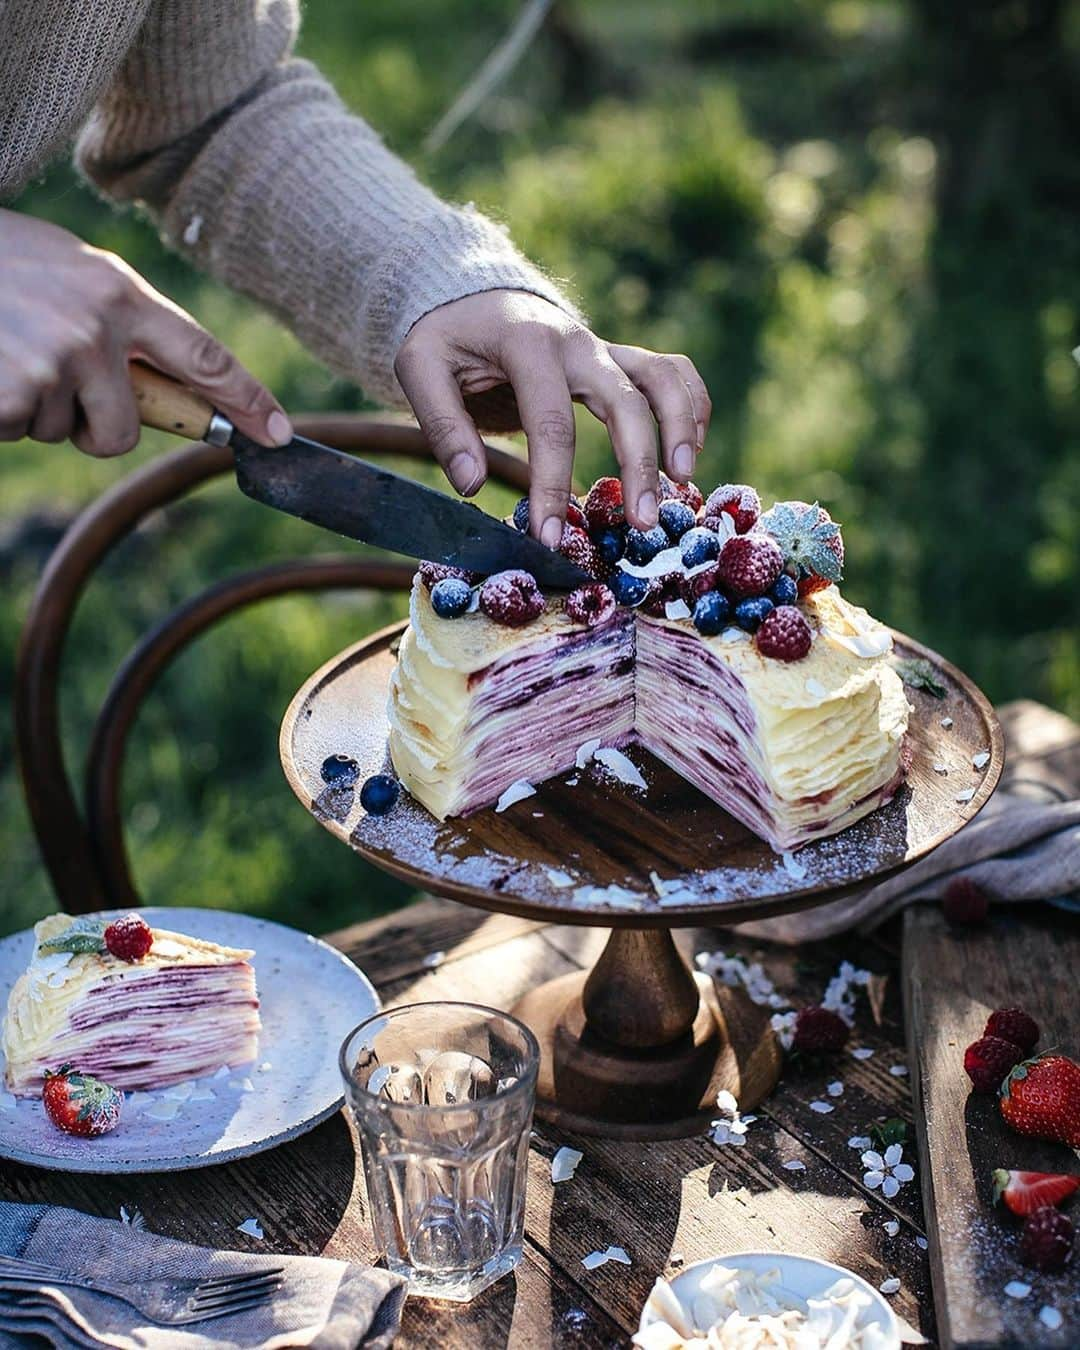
(666, 1203)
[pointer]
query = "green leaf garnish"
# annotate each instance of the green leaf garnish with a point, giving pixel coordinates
(82, 936)
(888, 1132)
(920, 674)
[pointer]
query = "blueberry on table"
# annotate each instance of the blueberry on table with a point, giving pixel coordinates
(628, 590)
(676, 518)
(711, 613)
(751, 614)
(785, 590)
(379, 794)
(699, 545)
(339, 771)
(451, 597)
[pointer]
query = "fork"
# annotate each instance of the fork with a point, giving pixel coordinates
(167, 1302)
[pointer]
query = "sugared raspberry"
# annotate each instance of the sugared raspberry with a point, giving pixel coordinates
(965, 902)
(1047, 1239)
(662, 590)
(129, 938)
(592, 605)
(693, 588)
(784, 634)
(818, 1030)
(688, 493)
(579, 548)
(576, 516)
(988, 1060)
(604, 505)
(750, 563)
(738, 501)
(511, 598)
(433, 572)
(1014, 1024)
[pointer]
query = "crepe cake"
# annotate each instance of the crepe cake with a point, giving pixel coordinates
(182, 1010)
(781, 706)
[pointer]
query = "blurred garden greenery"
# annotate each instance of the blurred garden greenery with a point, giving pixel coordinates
(858, 217)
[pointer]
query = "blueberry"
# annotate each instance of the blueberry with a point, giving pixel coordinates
(699, 546)
(785, 590)
(379, 794)
(451, 597)
(340, 771)
(751, 614)
(609, 545)
(642, 546)
(711, 613)
(521, 516)
(628, 590)
(676, 518)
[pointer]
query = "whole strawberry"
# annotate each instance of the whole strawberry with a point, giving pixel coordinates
(819, 1031)
(810, 541)
(603, 505)
(1047, 1239)
(592, 605)
(129, 938)
(784, 635)
(79, 1104)
(750, 563)
(964, 903)
(1014, 1024)
(511, 598)
(987, 1062)
(738, 501)
(1025, 1192)
(1042, 1097)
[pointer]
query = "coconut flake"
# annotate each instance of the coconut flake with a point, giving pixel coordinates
(179, 1092)
(921, 1243)
(433, 959)
(622, 768)
(1050, 1318)
(203, 1094)
(615, 897)
(558, 878)
(946, 722)
(564, 1164)
(835, 1088)
(223, 1072)
(585, 752)
(676, 609)
(730, 635)
(669, 560)
(822, 1108)
(163, 1110)
(794, 1165)
(792, 866)
(265, 1066)
(980, 760)
(1017, 1289)
(889, 1286)
(862, 1052)
(192, 231)
(966, 795)
(898, 1070)
(595, 1259)
(242, 1084)
(941, 768)
(516, 792)
(251, 1227)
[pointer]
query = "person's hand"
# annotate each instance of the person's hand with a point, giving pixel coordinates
(70, 318)
(498, 338)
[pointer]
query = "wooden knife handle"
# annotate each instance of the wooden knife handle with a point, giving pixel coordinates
(169, 406)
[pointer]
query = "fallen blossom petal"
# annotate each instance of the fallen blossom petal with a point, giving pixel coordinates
(794, 1165)
(822, 1108)
(893, 1154)
(904, 1173)
(889, 1286)
(873, 1160)
(889, 1187)
(892, 1227)
(251, 1227)
(1017, 1289)
(861, 1141)
(835, 1089)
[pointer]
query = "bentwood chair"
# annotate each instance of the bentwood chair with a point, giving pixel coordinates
(84, 850)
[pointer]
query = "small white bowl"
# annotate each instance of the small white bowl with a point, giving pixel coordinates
(803, 1276)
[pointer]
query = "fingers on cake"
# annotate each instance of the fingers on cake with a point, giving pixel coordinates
(718, 640)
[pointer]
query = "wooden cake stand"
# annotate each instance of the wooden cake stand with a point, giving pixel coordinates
(639, 1046)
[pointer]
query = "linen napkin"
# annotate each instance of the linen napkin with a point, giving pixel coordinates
(328, 1305)
(1017, 849)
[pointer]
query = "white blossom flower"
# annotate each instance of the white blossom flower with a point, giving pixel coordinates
(888, 1172)
(784, 1026)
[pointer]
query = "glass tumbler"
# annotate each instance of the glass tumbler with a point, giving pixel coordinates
(442, 1095)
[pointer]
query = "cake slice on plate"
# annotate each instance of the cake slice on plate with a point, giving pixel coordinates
(169, 1007)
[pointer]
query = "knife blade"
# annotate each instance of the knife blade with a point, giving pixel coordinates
(351, 497)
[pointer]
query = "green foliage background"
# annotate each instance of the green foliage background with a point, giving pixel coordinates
(858, 217)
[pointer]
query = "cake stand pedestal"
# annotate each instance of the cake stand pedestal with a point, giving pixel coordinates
(638, 1046)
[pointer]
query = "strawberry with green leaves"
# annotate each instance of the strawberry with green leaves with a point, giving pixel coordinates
(1025, 1192)
(79, 1104)
(810, 541)
(1042, 1097)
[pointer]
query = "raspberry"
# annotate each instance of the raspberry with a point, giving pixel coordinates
(579, 548)
(576, 516)
(592, 605)
(819, 1029)
(511, 598)
(1047, 1239)
(1013, 1024)
(965, 902)
(433, 572)
(740, 502)
(750, 563)
(642, 546)
(784, 634)
(988, 1060)
(661, 591)
(129, 938)
(693, 588)
(687, 493)
(604, 505)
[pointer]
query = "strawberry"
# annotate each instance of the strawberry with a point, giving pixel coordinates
(1042, 1097)
(1025, 1192)
(1047, 1239)
(738, 501)
(988, 1060)
(784, 634)
(810, 541)
(79, 1104)
(1014, 1024)
(604, 505)
(818, 1030)
(592, 605)
(750, 563)
(129, 938)
(965, 902)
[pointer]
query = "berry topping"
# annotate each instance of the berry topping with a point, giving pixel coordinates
(129, 938)
(379, 794)
(604, 505)
(575, 515)
(339, 771)
(687, 493)
(964, 902)
(784, 591)
(642, 546)
(676, 518)
(512, 598)
(750, 563)
(1025, 1192)
(751, 614)
(579, 548)
(451, 597)
(738, 501)
(711, 613)
(1042, 1097)
(987, 1062)
(784, 634)
(818, 1030)
(1014, 1024)
(628, 590)
(699, 546)
(433, 572)
(592, 605)
(1046, 1241)
(693, 588)
(79, 1104)
(521, 515)
(662, 590)
(810, 541)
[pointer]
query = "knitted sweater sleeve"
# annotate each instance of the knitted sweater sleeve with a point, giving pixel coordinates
(255, 170)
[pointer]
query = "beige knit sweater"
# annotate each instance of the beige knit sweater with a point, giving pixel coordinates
(250, 165)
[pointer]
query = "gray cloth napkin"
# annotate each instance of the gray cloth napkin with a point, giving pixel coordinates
(1016, 849)
(330, 1305)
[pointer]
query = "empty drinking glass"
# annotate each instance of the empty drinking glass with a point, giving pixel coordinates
(442, 1095)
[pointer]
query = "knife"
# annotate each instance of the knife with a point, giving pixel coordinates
(350, 496)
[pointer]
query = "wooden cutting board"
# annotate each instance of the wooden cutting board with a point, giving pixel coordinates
(952, 981)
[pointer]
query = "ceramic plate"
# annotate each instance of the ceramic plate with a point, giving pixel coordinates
(311, 997)
(803, 1276)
